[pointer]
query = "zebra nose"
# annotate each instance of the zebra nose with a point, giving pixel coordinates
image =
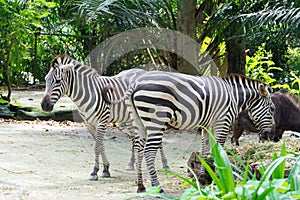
(46, 104)
(266, 134)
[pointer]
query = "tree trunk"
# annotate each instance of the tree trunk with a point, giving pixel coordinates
(235, 49)
(6, 70)
(236, 56)
(186, 24)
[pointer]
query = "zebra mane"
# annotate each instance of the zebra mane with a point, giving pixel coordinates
(64, 59)
(238, 76)
(228, 76)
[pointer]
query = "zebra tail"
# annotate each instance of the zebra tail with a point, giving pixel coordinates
(111, 88)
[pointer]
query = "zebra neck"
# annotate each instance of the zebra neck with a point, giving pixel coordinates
(244, 90)
(84, 85)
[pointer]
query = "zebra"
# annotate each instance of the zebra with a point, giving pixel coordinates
(83, 85)
(160, 99)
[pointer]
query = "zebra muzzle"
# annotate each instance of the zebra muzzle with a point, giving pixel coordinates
(46, 104)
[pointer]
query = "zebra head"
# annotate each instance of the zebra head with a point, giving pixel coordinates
(261, 112)
(56, 81)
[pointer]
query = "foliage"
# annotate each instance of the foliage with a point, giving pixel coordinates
(111, 17)
(274, 23)
(261, 67)
(272, 184)
(37, 33)
(19, 21)
(76, 27)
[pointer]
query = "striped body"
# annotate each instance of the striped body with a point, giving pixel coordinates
(184, 102)
(83, 85)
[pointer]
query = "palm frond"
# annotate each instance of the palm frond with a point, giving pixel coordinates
(280, 15)
(129, 13)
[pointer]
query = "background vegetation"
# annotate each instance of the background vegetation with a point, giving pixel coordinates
(258, 38)
(237, 34)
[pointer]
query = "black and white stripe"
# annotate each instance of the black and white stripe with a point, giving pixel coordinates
(161, 99)
(83, 85)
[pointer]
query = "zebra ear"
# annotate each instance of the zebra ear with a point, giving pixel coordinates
(67, 67)
(263, 90)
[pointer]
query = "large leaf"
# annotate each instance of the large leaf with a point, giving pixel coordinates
(294, 177)
(223, 165)
(279, 171)
(267, 174)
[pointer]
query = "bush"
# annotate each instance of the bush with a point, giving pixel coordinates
(261, 67)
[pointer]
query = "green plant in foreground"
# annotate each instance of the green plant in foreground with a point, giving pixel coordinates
(272, 184)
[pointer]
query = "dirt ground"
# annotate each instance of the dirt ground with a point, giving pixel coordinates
(51, 160)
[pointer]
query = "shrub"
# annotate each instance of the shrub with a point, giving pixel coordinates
(261, 67)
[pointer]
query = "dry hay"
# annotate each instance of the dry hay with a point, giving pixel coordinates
(263, 153)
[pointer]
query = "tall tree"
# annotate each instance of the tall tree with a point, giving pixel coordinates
(186, 24)
(235, 49)
(250, 23)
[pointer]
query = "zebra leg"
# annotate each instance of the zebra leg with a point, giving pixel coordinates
(93, 175)
(164, 158)
(139, 149)
(154, 141)
(130, 165)
(99, 148)
(203, 177)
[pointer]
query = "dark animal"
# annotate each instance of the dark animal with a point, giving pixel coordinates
(286, 117)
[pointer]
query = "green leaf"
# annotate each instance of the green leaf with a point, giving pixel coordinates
(265, 193)
(267, 174)
(189, 193)
(194, 185)
(212, 175)
(279, 171)
(223, 165)
(296, 81)
(294, 176)
(50, 4)
(276, 68)
(284, 86)
(3, 2)
(153, 191)
(245, 167)
(3, 102)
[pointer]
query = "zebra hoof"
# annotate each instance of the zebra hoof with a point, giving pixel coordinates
(166, 167)
(130, 168)
(105, 175)
(205, 180)
(93, 177)
(141, 188)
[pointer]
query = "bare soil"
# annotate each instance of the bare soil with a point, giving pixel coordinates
(51, 160)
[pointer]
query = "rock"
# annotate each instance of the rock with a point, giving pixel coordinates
(10, 111)
(5, 112)
(196, 166)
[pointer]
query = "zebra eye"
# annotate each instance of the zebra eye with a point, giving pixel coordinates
(57, 81)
